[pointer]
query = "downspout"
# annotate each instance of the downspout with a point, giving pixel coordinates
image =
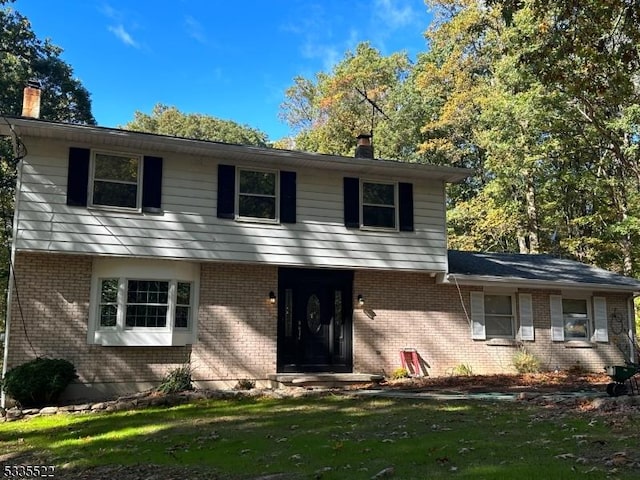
(631, 329)
(10, 284)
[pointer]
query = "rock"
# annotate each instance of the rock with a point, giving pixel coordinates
(30, 411)
(13, 414)
(387, 472)
(48, 411)
(98, 406)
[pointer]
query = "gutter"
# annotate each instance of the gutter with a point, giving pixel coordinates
(484, 280)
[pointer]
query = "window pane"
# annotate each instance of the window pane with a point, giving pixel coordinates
(497, 304)
(257, 207)
(115, 194)
(259, 183)
(570, 305)
(115, 167)
(145, 291)
(378, 194)
(108, 315)
(109, 291)
(576, 320)
(147, 303)
(183, 294)
(182, 317)
(499, 326)
(146, 316)
(379, 216)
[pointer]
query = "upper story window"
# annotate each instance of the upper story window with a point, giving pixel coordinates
(379, 205)
(115, 180)
(254, 194)
(257, 194)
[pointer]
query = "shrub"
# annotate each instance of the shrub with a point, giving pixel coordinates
(39, 382)
(526, 362)
(399, 373)
(245, 384)
(463, 370)
(177, 380)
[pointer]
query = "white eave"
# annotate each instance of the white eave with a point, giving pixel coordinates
(157, 144)
(495, 281)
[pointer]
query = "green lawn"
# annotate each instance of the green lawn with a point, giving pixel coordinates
(338, 437)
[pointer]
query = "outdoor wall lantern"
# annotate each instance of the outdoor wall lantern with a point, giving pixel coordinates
(360, 300)
(272, 298)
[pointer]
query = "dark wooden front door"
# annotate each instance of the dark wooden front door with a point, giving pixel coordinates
(314, 320)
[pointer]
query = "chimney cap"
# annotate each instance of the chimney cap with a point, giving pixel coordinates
(34, 83)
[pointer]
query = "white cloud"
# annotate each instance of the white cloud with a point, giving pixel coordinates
(393, 13)
(194, 29)
(123, 35)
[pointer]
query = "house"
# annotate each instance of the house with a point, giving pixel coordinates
(135, 253)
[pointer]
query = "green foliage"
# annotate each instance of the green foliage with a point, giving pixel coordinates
(526, 362)
(39, 382)
(463, 370)
(167, 120)
(399, 373)
(177, 380)
(245, 384)
(331, 110)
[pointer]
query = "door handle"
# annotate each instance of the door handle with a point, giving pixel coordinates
(299, 330)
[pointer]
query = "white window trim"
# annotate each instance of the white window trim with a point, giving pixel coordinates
(598, 319)
(138, 207)
(241, 218)
(134, 269)
(396, 227)
(478, 315)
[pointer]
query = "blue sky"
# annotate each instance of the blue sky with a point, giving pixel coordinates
(232, 59)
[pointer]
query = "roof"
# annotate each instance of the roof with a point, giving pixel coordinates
(535, 270)
(276, 158)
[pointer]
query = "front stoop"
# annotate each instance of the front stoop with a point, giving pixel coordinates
(326, 380)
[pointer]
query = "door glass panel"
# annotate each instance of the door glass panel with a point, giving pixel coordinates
(313, 314)
(288, 312)
(337, 311)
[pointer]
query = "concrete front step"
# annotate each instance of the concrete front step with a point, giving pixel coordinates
(325, 379)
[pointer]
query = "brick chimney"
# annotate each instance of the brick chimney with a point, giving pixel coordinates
(364, 149)
(31, 100)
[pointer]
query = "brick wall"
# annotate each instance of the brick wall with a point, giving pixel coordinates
(237, 326)
(408, 310)
(54, 292)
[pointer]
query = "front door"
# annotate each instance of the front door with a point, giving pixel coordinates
(314, 320)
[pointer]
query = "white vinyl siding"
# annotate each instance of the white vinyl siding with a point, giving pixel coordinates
(189, 228)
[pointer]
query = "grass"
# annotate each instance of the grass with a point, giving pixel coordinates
(337, 437)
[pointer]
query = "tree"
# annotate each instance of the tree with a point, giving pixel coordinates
(167, 120)
(24, 57)
(329, 111)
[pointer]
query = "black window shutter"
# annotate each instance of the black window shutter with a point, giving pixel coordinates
(78, 176)
(226, 191)
(405, 200)
(288, 197)
(351, 202)
(152, 185)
